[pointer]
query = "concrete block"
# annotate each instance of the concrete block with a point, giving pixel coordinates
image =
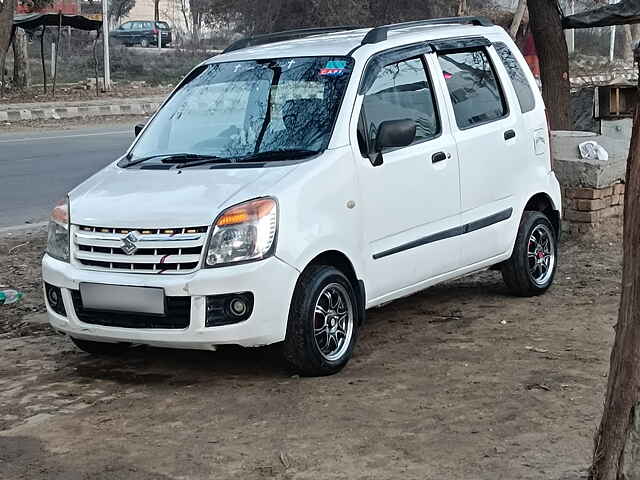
(573, 171)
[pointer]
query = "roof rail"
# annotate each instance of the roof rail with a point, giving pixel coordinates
(379, 34)
(282, 36)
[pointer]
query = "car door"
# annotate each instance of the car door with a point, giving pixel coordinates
(137, 32)
(411, 201)
(123, 32)
(489, 141)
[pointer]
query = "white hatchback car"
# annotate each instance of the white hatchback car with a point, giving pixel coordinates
(300, 178)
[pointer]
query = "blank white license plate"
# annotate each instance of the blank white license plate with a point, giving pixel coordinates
(98, 296)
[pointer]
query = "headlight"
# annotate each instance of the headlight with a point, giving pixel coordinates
(244, 233)
(58, 238)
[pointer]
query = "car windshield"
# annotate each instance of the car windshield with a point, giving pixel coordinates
(240, 109)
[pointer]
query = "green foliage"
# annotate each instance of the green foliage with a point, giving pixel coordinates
(120, 8)
(274, 15)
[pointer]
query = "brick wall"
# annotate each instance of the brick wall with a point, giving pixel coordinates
(586, 208)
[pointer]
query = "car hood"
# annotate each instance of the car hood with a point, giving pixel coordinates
(133, 198)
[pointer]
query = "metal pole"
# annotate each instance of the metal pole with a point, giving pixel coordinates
(44, 68)
(95, 61)
(53, 61)
(55, 57)
(612, 41)
(571, 33)
(105, 43)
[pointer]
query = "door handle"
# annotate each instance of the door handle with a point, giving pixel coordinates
(439, 157)
(509, 134)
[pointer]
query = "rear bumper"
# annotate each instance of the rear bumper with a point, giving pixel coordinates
(272, 282)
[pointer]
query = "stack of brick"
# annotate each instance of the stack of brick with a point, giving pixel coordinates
(591, 206)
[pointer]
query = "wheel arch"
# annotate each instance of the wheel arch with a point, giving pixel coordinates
(339, 260)
(542, 202)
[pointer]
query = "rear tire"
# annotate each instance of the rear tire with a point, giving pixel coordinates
(532, 266)
(100, 348)
(323, 322)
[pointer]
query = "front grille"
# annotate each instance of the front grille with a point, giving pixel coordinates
(159, 250)
(178, 315)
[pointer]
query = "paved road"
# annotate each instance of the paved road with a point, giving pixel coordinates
(39, 168)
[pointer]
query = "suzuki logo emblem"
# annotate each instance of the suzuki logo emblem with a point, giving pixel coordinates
(129, 243)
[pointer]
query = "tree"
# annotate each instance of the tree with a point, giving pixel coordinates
(119, 9)
(545, 18)
(21, 70)
(628, 44)
(621, 399)
(517, 18)
(7, 8)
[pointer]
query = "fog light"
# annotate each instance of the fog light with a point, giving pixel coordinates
(238, 307)
(228, 309)
(54, 299)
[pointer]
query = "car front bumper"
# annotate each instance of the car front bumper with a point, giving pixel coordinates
(271, 281)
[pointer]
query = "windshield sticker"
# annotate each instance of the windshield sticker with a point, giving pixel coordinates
(334, 68)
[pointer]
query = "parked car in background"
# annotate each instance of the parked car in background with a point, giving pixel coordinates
(143, 33)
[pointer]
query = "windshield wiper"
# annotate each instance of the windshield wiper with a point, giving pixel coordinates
(180, 158)
(260, 156)
(275, 155)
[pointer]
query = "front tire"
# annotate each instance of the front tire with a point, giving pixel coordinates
(144, 43)
(100, 348)
(532, 266)
(323, 322)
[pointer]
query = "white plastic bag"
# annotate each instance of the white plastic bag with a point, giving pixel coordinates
(593, 151)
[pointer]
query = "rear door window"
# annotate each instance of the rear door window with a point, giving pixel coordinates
(163, 25)
(401, 91)
(518, 79)
(473, 87)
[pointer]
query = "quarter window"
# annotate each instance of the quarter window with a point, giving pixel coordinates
(473, 87)
(400, 91)
(518, 79)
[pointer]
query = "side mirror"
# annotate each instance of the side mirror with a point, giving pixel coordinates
(393, 134)
(138, 128)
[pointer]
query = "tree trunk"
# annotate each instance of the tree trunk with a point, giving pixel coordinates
(517, 18)
(21, 70)
(6, 25)
(156, 10)
(545, 18)
(628, 44)
(635, 34)
(462, 7)
(624, 365)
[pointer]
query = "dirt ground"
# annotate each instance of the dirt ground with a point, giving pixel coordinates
(70, 94)
(461, 381)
